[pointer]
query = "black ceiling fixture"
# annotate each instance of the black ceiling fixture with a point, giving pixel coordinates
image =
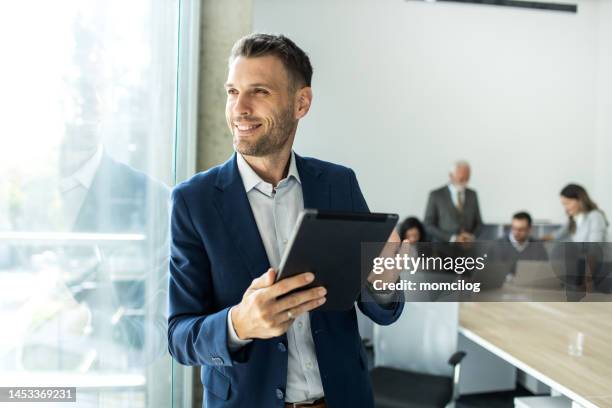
(569, 8)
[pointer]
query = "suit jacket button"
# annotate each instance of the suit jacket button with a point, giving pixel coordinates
(280, 394)
(281, 347)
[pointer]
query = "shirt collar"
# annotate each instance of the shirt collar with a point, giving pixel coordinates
(85, 174)
(519, 247)
(578, 218)
(454, 191)
(250, 179)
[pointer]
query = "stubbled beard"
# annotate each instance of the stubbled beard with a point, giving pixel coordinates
(272, 141)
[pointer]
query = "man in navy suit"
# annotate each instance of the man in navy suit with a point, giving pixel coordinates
(230, 225)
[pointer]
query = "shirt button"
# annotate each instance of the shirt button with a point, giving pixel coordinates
(281, 347)
(280, 394)
(300, 324)
(309, 365)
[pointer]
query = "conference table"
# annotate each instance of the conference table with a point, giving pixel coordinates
(567, 346)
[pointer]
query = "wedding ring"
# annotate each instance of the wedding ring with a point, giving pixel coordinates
(290, 315)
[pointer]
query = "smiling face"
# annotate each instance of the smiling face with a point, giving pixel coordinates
(263, 107)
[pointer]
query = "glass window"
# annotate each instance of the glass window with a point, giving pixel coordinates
(88, 103)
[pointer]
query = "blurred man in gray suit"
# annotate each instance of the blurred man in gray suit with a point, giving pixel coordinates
(452, 213)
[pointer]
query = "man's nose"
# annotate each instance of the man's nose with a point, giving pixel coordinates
(242, 106)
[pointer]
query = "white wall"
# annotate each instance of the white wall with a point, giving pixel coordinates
(403, 88)
(603, 185)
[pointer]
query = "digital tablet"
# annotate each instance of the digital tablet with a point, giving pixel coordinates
(328, 244)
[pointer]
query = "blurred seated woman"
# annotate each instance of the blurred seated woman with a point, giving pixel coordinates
(586, 222)
(411, 230)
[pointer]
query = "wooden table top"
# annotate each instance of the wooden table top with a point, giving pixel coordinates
(536, 338)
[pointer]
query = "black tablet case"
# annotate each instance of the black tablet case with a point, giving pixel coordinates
(329, 244)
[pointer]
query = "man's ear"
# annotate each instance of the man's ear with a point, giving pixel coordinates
(303, 99)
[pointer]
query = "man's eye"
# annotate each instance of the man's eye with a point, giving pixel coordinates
(261, 91)
(232, 92)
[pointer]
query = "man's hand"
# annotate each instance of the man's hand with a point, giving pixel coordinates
(393, 246)
(261, 315)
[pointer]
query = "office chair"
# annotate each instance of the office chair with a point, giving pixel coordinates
(412, 367)
(490, 232)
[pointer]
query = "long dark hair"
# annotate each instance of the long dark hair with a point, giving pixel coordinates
(577, 192)
(409, 223)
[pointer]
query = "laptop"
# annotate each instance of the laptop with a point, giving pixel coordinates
(536, 274)
(493, 275)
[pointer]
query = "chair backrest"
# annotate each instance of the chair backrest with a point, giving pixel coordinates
(421, 340)
(540, 230)
(490, 232)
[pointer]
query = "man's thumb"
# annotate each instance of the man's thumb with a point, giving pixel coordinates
(265, 280)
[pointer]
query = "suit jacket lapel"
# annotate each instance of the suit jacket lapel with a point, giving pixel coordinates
(317, 195)
(315, 190)
(235, 210)
(469, 200)
(451, 203)
(93, 214)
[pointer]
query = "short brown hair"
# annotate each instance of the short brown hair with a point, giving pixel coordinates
(294, 59)
(523, 215)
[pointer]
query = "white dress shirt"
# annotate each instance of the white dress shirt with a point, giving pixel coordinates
(454, 193)
(276, 211)
(74, 188)
(520, 247)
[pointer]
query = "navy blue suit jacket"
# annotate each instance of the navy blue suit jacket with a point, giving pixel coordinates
(216, 252)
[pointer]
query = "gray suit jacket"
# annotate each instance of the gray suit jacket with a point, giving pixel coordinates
(443, 220)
